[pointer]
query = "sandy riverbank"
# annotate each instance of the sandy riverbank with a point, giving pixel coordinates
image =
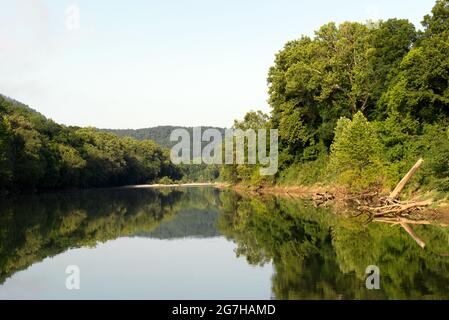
(182, 185)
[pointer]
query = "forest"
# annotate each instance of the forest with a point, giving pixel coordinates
(160, 134)
(38, 154)
(358, 104)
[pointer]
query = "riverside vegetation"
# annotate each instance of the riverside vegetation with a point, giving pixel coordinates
(357, 105)
(37, 153)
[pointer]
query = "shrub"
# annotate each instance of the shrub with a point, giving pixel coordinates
(166, 181)
(356, 154)
(433, 146)
(305, 173)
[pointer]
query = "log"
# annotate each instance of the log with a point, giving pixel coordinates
(396, 192)
(413, 235)
(395, 209)
(400, 208)
(398, 221)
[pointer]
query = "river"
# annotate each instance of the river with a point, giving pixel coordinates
(205, 243)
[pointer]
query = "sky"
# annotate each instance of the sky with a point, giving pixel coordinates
(143, 63)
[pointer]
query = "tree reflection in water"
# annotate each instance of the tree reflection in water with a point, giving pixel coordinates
(315, 254)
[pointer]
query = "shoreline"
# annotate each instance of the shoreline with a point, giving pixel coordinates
(309, 192)
(157, 185)
(125, 187)
(300, 192)
(322, 195)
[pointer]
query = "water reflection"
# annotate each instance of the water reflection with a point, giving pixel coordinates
(191, 223)
(317, 255)
(313, 253)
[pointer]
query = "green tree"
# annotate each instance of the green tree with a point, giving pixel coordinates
(343, 70)
(5, 161)
(356, 153)
(248, 173)
(437, 22)
(421, 87)
(36, 152)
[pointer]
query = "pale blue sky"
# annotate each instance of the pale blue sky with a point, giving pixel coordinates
(136, 64)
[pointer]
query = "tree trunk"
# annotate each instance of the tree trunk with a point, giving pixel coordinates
(396, 192)
(413, 235)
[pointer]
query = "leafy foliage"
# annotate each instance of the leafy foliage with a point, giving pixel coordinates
(355, 153)
(342, 70)
(160, 134)
(38, 153)
(248, 173)
(359, 103)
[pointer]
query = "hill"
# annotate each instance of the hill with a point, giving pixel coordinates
(159, 134)
(38, 153)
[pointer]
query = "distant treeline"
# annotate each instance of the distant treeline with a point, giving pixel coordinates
(160, 134)
(37, 153)
(358, 104)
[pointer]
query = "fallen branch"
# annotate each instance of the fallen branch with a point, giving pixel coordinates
(390, 210)
(395, 209)
(404, 223)
(398, 221)
(410, 231)
(396, 192)
(321, 199)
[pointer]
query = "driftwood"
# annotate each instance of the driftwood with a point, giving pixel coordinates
(390, 206)
(402, 213)
(413, 235)
(396, 208)
(321, 199)
(399, 221)
(404, 223)
(386, 209)
(396, 192)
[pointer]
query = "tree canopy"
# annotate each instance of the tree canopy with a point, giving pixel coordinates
(37, 153)
(359, 103)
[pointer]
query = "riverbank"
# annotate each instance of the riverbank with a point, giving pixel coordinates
(127, 187)
(337, 197)
(157, 185)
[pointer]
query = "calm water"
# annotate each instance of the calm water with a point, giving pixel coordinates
(201, 243)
